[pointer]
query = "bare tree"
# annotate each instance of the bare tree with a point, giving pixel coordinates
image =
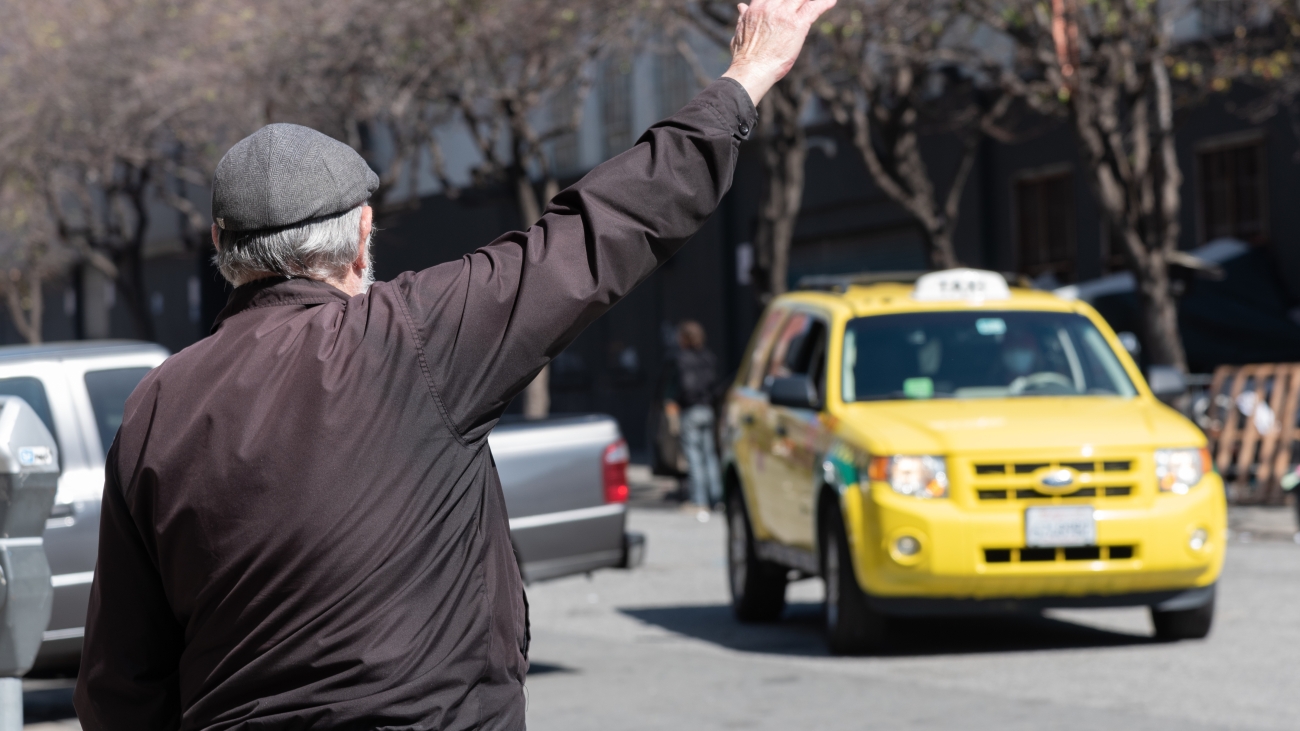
(522, 71)
(784, 147)
(893, 72)
(378, 79)
(30, 254)
(1106, 65)
(116, 92)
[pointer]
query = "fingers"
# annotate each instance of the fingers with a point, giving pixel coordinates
(812, 9)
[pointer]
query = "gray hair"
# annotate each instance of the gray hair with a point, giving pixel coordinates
(321, 249)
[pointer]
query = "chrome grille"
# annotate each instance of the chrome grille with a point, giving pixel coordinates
(1011, 479)
(1028, 468)
(1035, 494)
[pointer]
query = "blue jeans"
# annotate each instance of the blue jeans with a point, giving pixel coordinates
(701, 456)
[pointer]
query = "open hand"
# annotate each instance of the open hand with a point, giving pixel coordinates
(769, 36)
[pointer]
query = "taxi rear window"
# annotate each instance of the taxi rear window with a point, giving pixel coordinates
(978, 354)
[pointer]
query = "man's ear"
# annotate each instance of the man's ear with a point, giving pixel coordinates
(216, 237)
(367, 222)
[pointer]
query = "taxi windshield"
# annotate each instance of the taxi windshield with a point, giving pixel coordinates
(983, 354)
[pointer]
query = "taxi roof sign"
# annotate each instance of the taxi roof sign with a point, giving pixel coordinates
(961, 284)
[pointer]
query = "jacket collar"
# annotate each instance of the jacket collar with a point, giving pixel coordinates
(276, 292)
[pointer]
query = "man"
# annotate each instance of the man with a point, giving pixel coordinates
(302, 526)
(689, 390)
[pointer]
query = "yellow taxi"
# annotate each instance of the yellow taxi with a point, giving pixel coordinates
(959, 445)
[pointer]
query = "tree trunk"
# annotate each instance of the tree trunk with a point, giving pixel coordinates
(130, 258)
(130, 285)
(26, 320)
(784, 154)
(1134, 173)
(939, 247)
(1164, 344)
(537, 395)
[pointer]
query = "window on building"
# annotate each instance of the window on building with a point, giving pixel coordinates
(1045, 230)
(676, 83)
(1232, 194)
(564, 148)
(616, 106)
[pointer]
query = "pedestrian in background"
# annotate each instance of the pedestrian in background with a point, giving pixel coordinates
(690, 389)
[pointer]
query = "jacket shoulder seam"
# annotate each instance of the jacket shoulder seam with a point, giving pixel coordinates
(428, 375)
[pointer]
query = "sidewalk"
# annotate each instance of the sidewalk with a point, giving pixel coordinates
(1247, 523)
(647, 490)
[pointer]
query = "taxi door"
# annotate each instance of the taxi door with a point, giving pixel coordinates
(751, 437)
(798, 436)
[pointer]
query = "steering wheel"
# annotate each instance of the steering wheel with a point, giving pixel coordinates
(1043, 382)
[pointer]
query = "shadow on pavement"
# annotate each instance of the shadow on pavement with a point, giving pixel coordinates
(543, 668)
(799, 632)
(51, 704)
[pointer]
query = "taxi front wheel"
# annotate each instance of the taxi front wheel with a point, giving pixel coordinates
(852, 626)
(1184, 624)
(757, 586)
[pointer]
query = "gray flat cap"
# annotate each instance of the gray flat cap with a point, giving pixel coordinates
(284, 174)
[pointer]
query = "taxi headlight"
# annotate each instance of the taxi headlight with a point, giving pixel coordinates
(922, 476)
(1179, 470)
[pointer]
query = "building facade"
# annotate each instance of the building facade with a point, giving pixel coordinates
(1028, 208)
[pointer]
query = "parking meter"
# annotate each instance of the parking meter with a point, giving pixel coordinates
(29, 478)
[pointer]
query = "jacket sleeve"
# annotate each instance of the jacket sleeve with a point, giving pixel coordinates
(130, 656)
(490, 321)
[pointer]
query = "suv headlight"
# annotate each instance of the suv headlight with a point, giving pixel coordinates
(1179, 470)
(923, 476)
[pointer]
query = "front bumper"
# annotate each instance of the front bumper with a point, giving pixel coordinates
(1174, 600)
(956, 535)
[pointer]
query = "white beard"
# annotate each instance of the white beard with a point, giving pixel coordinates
(368, 276)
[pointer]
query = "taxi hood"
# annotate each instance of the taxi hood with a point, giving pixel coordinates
(956, 426)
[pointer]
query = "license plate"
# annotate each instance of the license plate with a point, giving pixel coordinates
(1049, 527)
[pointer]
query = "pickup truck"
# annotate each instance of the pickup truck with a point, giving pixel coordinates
(564, 479)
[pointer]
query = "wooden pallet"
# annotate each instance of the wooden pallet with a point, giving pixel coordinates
(1255, 461)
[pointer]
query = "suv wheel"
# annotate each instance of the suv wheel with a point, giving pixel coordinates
(1185, 624)
(852, 626)
(757, 586)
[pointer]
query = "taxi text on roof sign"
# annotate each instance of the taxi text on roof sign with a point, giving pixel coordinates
(961, 284)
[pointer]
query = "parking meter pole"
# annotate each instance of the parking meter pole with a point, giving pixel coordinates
(11, 704)
(29, 479)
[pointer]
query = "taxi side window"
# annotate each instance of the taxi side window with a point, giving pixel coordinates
(801, 350)
(762, 347)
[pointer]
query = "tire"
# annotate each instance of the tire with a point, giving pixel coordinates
(852, 626)
(1185, 624)
(757, 586)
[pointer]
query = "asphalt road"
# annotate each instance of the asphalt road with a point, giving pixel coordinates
(657, 648)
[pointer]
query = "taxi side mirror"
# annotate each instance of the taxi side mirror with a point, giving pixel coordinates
(795, 392)
(1166, 381)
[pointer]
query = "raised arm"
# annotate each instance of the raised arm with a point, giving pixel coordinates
(489, 322)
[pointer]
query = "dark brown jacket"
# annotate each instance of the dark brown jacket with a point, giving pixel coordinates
(302, 524)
